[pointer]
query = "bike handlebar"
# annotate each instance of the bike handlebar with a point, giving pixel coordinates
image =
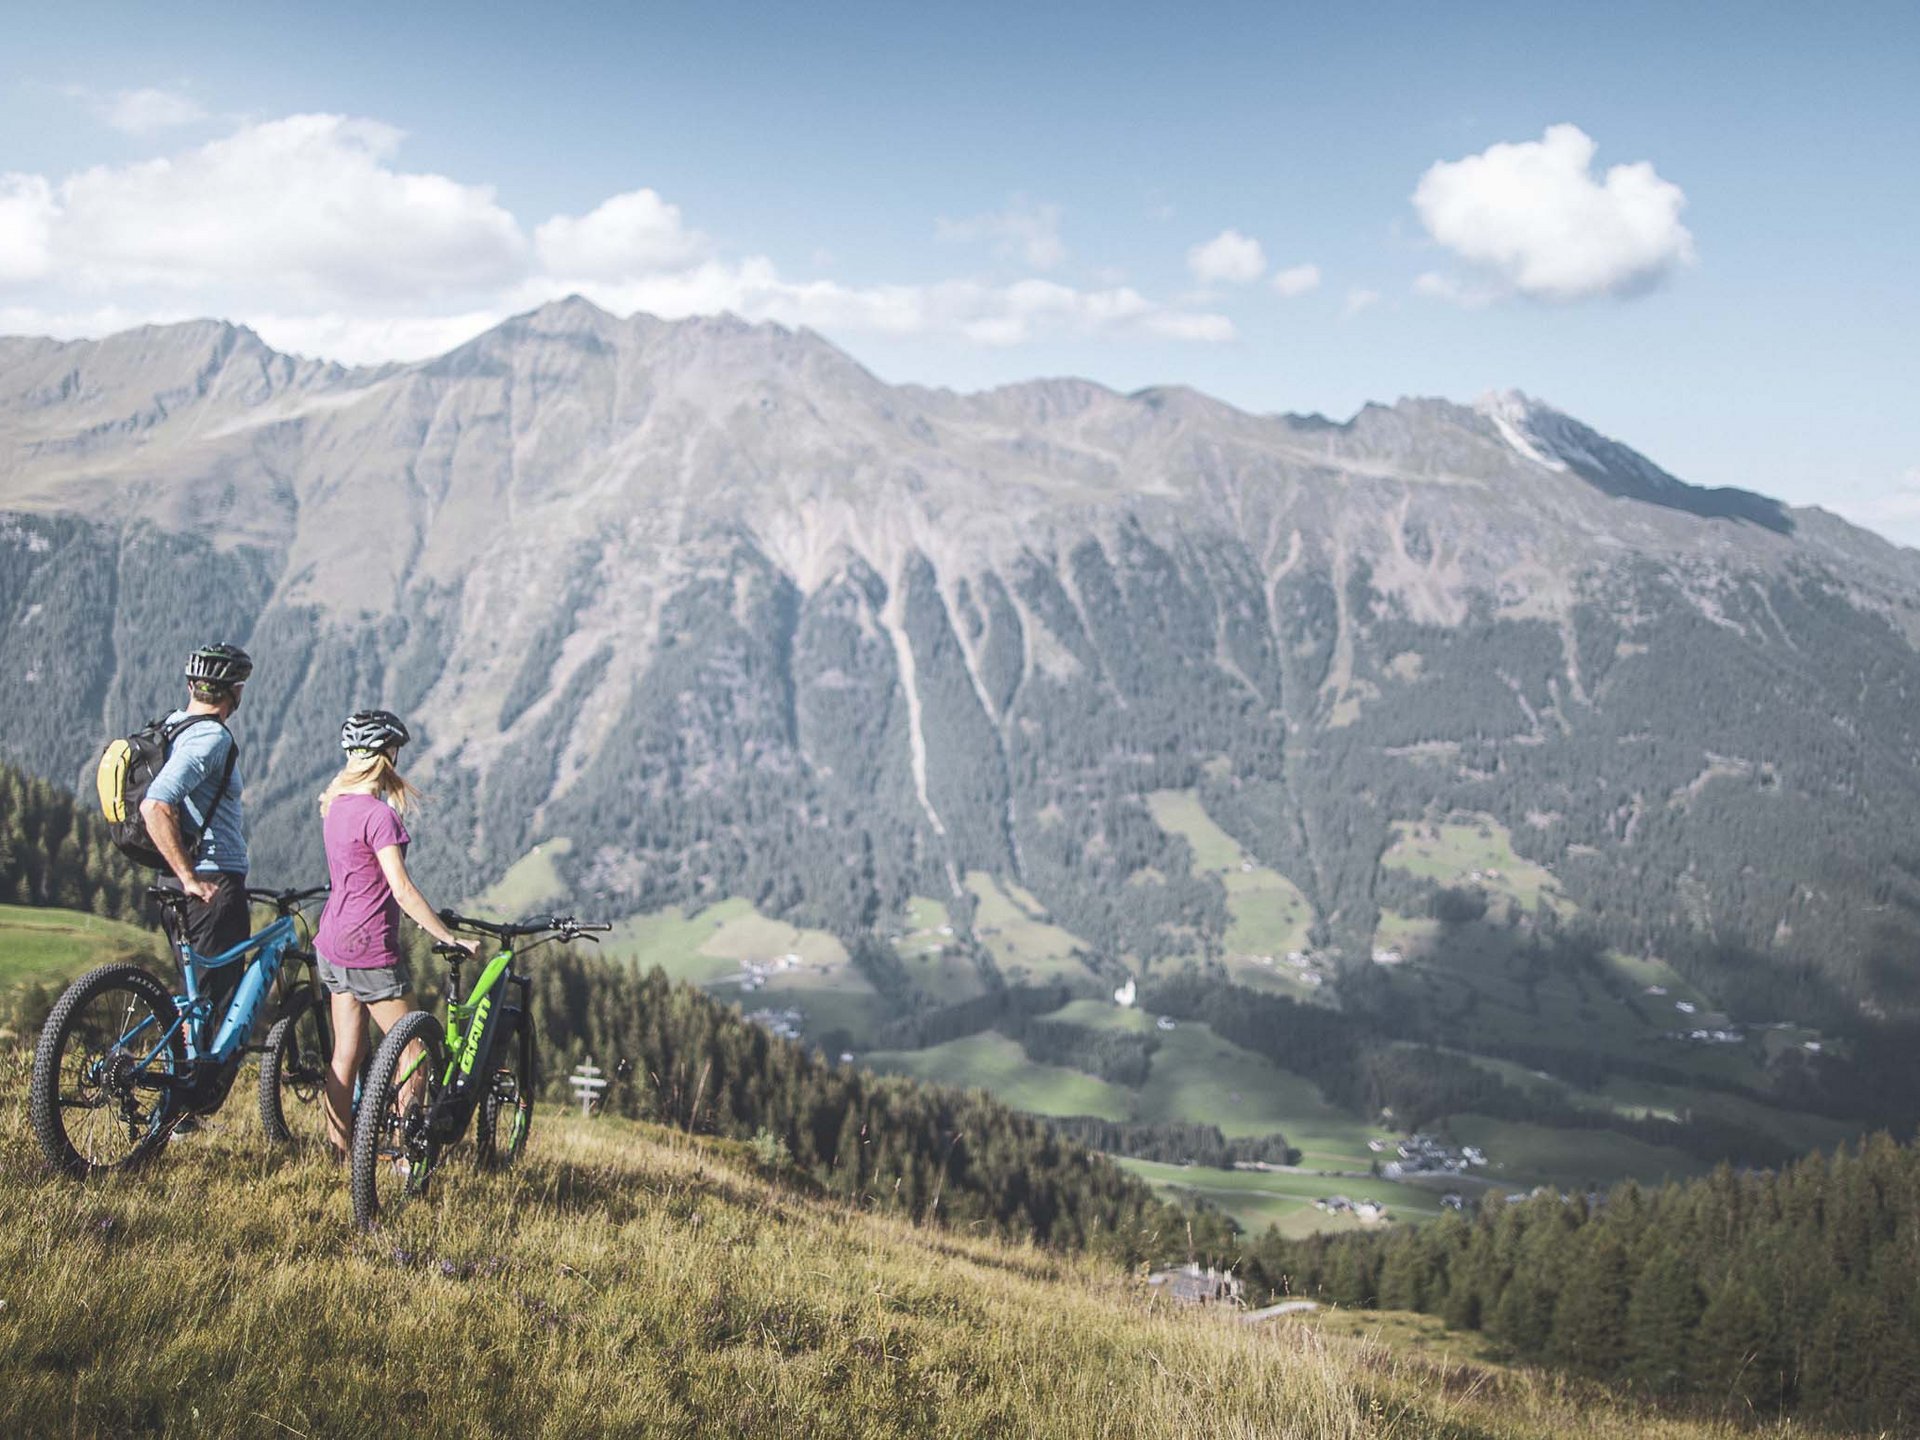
(285, 901)
(559, 927)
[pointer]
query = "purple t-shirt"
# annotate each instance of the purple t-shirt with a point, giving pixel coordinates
(360, 929)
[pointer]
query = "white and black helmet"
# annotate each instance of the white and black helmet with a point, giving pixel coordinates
(219, 665)
(373, 730)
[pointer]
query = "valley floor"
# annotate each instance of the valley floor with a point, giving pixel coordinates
(628, 1280)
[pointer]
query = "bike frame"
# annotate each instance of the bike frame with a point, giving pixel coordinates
(472, 1026)
(268, 951)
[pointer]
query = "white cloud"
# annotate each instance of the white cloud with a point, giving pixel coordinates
(633, 234)
(26, 227)
(1359, 299)
(1229, 257)
(306, 207)
(1296, 280)
(307, 229)
(1533, 218)
(145, 112)
(1024, 231)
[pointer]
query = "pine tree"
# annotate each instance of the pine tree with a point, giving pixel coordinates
(1661, 1316)
(1733, 1361)
(1590, 1317)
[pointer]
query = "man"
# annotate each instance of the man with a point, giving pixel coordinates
(199, 780)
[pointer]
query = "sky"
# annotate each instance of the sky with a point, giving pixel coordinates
(1691, 226)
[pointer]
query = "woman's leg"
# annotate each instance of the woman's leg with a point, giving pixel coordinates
(349, 1032)
(387, 1014)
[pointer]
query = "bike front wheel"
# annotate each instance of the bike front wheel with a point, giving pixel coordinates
(100, 1098)
(506, 1110)
(293, 1075)
(394, 1151)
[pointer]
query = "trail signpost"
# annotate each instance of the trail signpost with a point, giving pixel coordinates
(587, 1084)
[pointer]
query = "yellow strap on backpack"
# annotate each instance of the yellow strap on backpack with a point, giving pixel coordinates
(111, 780)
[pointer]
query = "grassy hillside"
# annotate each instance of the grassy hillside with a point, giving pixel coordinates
(630, 1280)
(55, 945)
(1259, 1198)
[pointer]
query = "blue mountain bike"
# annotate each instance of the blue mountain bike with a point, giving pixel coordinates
(122, 1060)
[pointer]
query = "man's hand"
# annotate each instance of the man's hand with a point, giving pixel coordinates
(163, 824)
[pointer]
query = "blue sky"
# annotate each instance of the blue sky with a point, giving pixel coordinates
(998, 192)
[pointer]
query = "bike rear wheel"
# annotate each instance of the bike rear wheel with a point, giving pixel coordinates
(393, 1151)
(293, 1072)
(506, 1110)
(112, 1029)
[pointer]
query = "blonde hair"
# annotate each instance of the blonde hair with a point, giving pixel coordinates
(371, 770)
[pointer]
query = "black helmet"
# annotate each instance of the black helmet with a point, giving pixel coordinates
(373, 730)
(219, 665)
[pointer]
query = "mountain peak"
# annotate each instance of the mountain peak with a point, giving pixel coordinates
(1556, 441)
(1512, 413)
(569, 313)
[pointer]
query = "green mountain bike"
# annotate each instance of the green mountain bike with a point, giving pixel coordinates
(431, 1077)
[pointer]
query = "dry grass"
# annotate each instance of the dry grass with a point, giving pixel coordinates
(628, 1281)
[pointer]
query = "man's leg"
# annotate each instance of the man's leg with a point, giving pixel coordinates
(349, 1035)
(214, 927)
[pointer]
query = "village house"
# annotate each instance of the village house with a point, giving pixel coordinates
(1191, 1285)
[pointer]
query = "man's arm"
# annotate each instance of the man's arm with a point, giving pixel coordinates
(192, 758)
(163, 825)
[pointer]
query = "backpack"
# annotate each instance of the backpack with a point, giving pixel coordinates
(127, 767)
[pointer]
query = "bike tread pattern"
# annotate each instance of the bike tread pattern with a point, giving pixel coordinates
(44, 1090)
(273, 1056)
(420, 1025)
(494, 1111)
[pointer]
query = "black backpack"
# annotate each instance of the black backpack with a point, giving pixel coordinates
(127, 767)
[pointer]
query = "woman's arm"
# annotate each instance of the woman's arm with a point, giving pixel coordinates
(393, 864)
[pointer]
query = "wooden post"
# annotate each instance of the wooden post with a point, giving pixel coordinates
(587, 1084)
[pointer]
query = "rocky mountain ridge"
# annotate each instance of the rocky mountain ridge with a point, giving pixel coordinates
(738, 617)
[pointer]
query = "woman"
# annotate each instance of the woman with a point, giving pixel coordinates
(358, 942)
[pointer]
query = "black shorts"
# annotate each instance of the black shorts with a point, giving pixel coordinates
(212, 927)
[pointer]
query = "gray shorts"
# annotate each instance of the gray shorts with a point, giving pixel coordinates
(369, 985)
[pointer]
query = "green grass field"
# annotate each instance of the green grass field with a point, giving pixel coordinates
(715, 944)
(57, 945)
(1105, 1015)
(1259, 1198)
(1521, 1155)
(990, 1061)
(1473, 850)
(1194, 1075)
(1268, 915)
(933, 955)
(1478, 984)
(531, 883)
(715, 947)
(1013, 927)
